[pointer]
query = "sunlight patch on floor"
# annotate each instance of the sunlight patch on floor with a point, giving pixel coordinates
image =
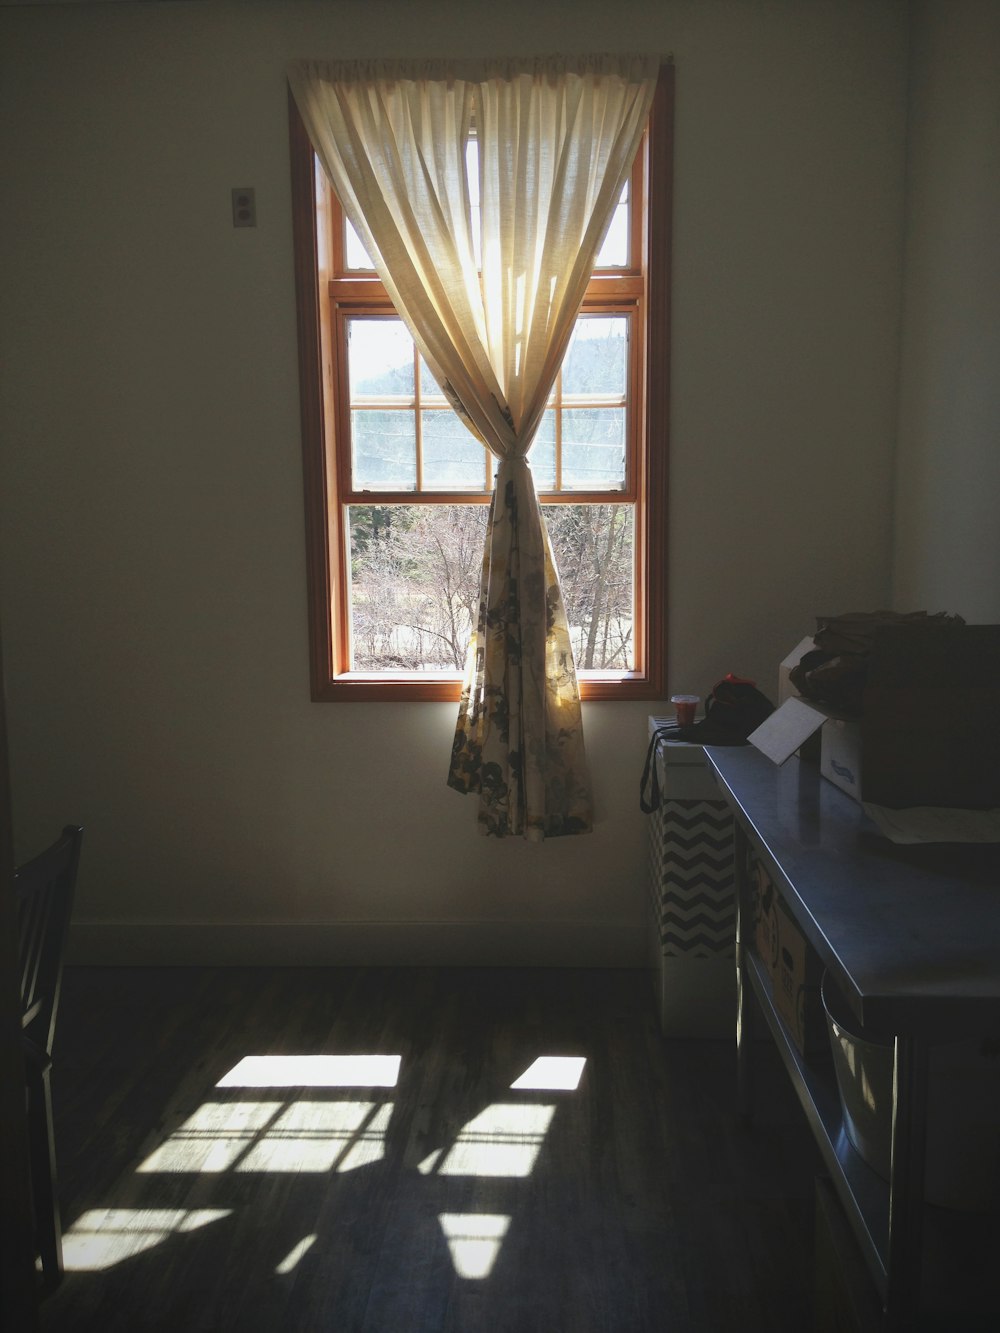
(552, 1073)
(318, 1136)
(315, 1135)
(104, 1237)
(504, 1140)
(474, 1240)
(313, 1071)
(304, 1136)
(426, 1167)
(295, 1254)
(368, 1145)
(214, 1138)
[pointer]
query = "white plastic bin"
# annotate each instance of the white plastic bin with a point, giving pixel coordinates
(692, 896)
(962, 1168)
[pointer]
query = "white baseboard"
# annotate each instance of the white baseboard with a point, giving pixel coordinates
(359, 943)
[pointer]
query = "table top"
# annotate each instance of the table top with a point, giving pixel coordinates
(911, 933)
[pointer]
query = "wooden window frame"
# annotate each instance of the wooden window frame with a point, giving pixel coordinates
(316, 248)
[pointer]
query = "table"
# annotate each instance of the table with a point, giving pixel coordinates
(911, 936)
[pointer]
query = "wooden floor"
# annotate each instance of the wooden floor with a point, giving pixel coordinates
(478, 1187)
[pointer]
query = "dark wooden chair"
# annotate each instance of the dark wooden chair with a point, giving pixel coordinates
(44, 890)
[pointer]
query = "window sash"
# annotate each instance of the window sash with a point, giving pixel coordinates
(346, 245)
(423, 618)
(561, 402)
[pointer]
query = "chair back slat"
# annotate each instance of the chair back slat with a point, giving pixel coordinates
(44, 888)
(33, 907)
(43, 891)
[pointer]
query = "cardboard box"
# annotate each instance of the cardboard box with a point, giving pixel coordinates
(786, 690)
(765, 903)
(840, 754)
(930, 727)
(797, 987)
(931, 724)
(791, 963)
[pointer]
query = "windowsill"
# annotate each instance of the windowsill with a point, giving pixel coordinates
(446, 687)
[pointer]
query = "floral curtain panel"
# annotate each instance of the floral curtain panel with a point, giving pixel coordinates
(556, 138)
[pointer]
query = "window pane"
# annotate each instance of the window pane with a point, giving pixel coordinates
(594, 548)
(379, 358)
(542, 454)
(384, 450)
(355, 254)
(414, 585)
(614, 248)
(429, 387)
(597, 357)
(415, 572)
(453, 459)
(593, 448)
(472, 175)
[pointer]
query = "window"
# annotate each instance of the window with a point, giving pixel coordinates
(396, 488)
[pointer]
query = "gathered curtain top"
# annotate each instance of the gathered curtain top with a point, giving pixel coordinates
(504, 69)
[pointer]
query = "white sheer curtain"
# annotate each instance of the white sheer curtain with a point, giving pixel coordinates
(556, 138)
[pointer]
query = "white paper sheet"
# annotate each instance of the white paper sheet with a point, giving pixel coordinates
(788, 727)
(935, 823)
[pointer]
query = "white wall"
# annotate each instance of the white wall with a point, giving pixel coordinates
(152, 576)
(947, 548)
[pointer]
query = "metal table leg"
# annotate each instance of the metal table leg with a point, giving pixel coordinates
(906, 1183)
(744, 990)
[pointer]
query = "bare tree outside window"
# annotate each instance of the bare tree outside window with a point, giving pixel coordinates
(415, 572)
(594, 552)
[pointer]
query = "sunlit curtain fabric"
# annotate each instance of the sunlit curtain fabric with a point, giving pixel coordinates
(556, 138)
